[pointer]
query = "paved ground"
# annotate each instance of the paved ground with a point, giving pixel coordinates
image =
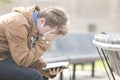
(84, 75)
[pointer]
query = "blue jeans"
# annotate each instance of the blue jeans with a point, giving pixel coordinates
(9, 70)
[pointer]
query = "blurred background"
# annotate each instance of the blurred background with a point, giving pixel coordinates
(84, 15)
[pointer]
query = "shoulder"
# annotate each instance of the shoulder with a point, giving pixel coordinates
(18, 17)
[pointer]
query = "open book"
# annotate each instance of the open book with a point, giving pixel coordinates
(62, 65)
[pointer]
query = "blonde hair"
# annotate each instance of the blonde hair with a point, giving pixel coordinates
(55, 16)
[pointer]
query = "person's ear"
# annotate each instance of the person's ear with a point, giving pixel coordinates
(42, 21)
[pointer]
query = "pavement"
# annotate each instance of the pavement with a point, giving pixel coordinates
(86, 75)
(83, 75)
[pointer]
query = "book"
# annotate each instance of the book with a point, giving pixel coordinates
(63, 65)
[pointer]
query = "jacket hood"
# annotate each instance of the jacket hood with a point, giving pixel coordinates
(26, 9)
(28, 14)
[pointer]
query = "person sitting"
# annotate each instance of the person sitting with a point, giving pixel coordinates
(25, 34)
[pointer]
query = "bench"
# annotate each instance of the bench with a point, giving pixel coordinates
(108, 45)
(76, 48)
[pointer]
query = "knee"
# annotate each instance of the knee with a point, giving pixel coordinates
(36, 76)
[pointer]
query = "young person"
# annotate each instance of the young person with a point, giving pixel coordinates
(25, 34)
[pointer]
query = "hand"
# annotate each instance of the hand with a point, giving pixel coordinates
(51, 35)
(55, 71)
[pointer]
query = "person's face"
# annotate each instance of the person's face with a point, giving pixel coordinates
(42, 28)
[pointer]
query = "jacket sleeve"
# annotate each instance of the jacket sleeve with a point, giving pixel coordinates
(17, 36)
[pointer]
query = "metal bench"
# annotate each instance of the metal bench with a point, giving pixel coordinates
(108, 46)
(74, 48)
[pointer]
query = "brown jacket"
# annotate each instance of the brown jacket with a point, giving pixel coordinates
(16, 30)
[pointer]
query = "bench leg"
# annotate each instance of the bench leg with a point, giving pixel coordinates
(74, 69)
(93, 69)
(61, 76)
(82, 66)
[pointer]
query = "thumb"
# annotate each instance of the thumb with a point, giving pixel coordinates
(48, 32)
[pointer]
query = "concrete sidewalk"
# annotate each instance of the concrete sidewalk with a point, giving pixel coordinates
(84, 75)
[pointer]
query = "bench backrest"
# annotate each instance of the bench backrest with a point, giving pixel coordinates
(73, 43)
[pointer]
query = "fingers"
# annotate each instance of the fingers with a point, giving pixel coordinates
(51, 36)
(51, 31)
(55, 71)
